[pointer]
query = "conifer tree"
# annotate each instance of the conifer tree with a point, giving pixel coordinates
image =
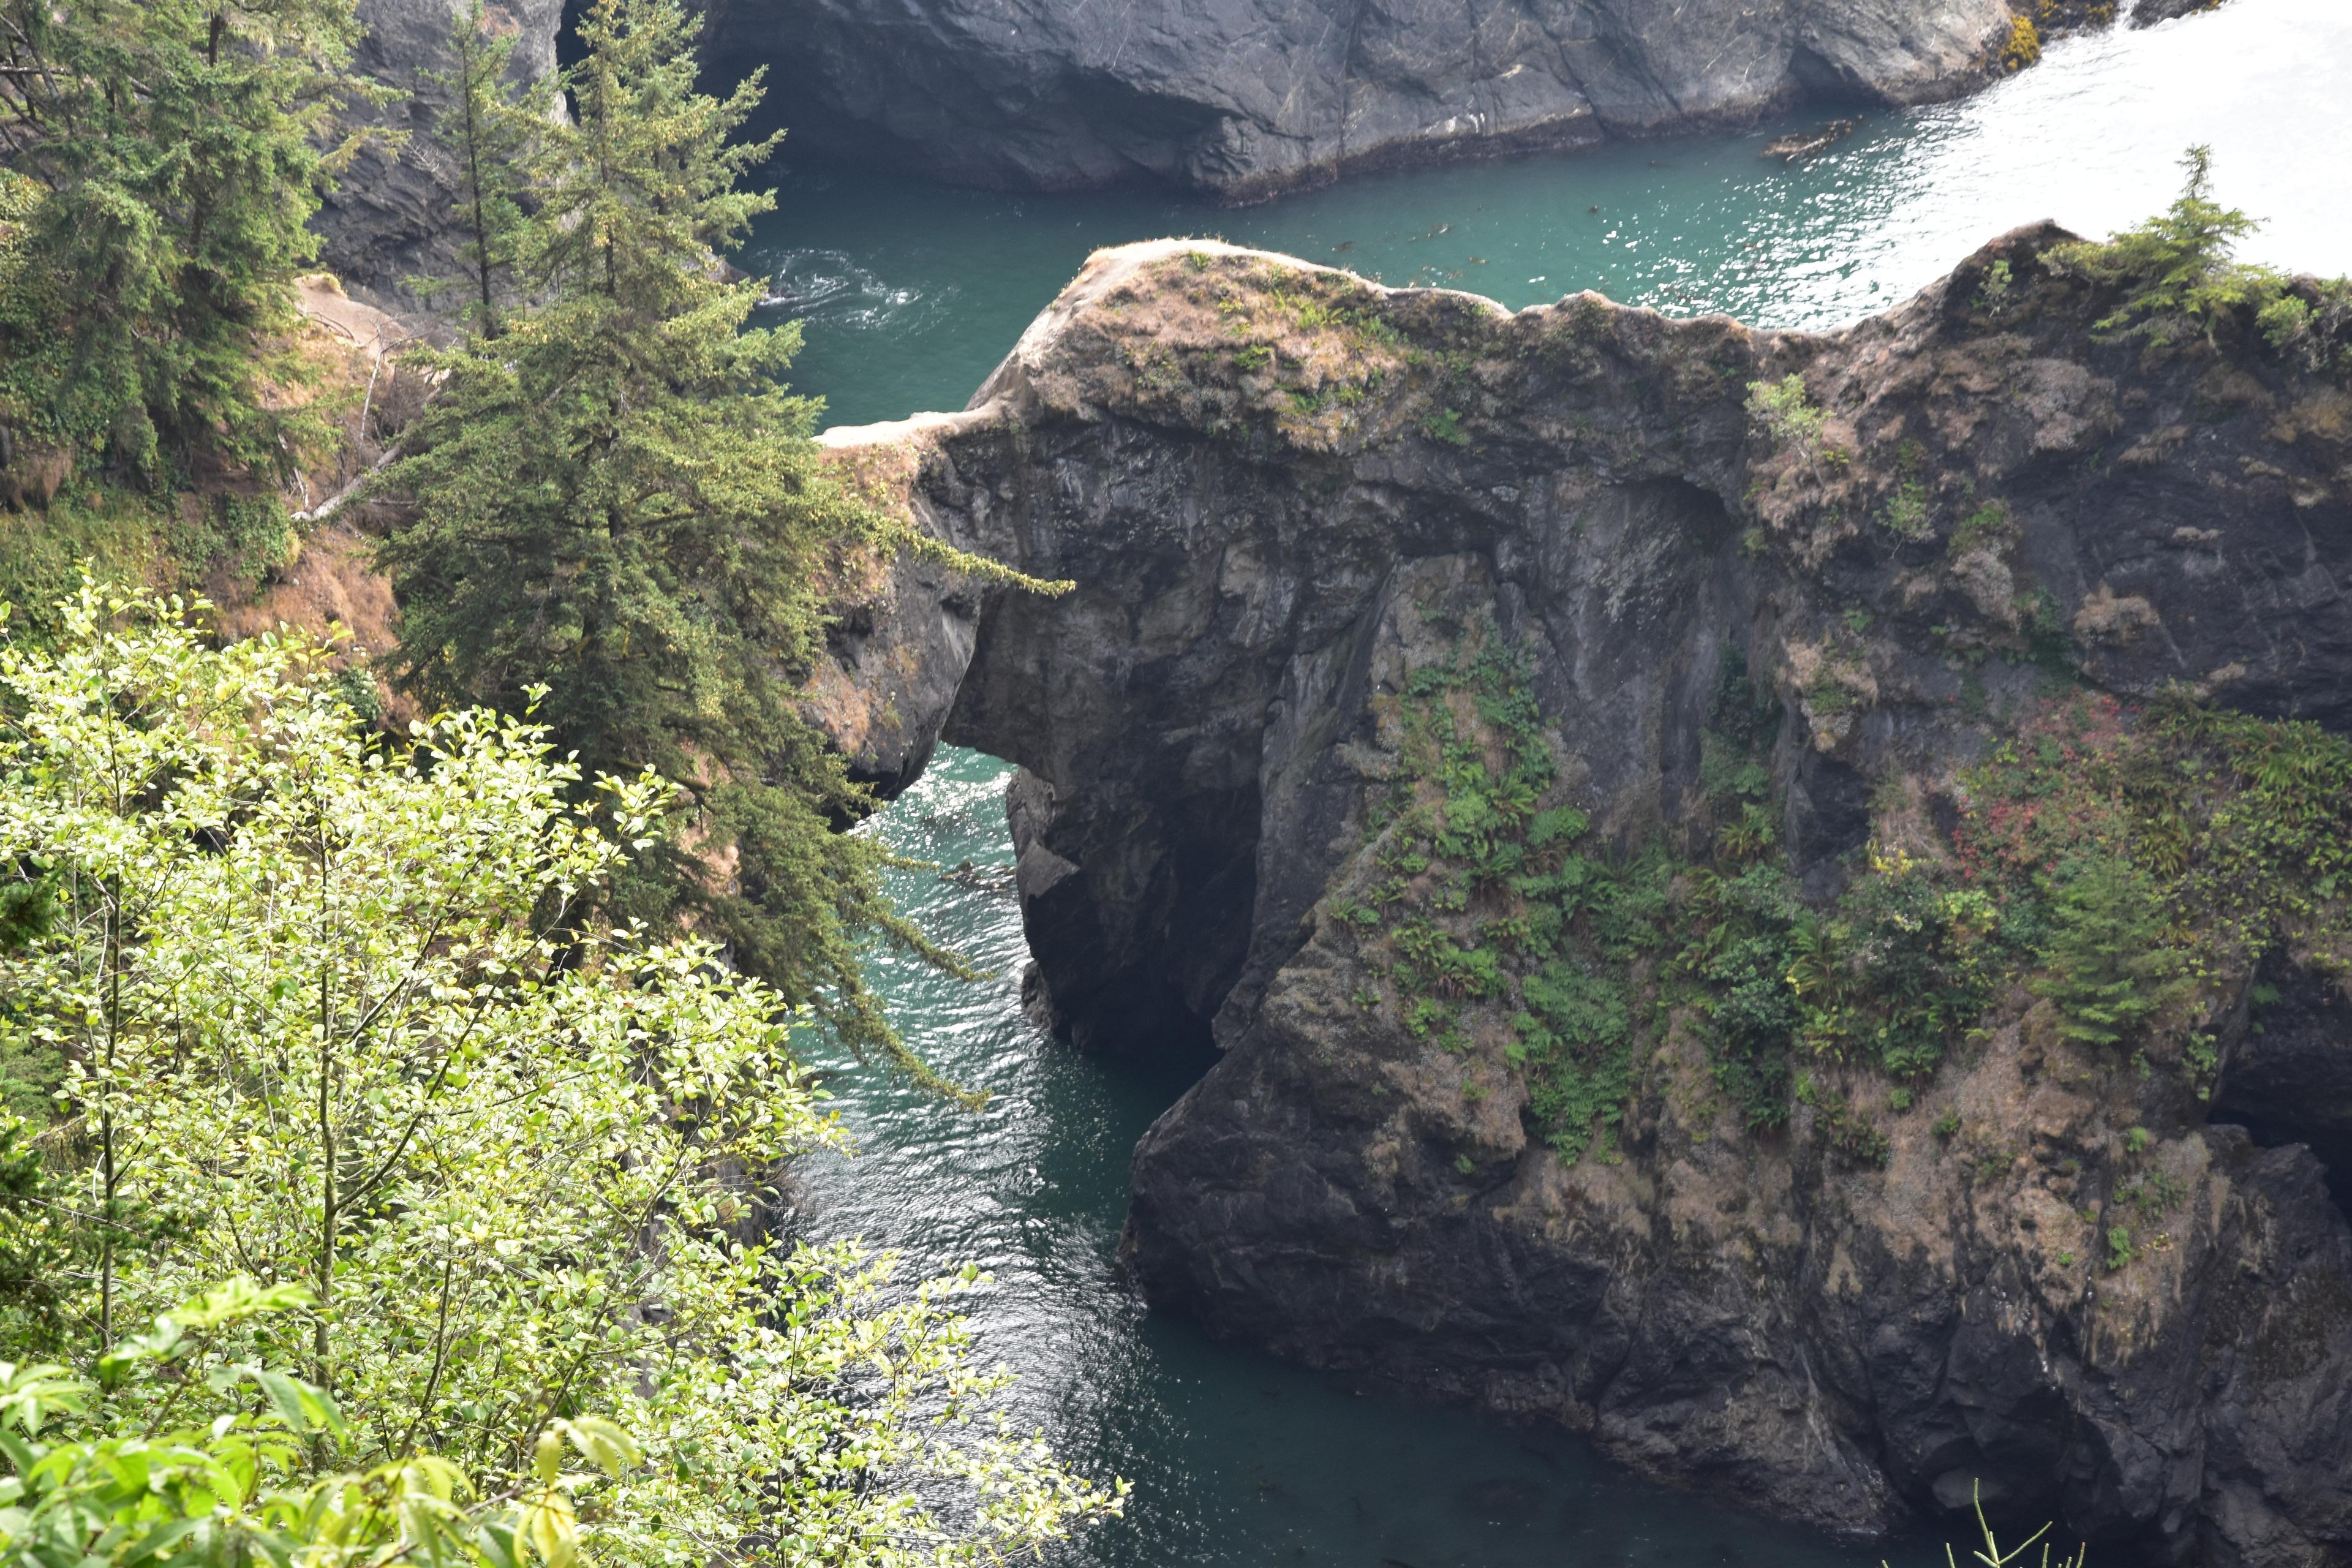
(2110, 970)
(488, 133)
(176, 149)
(618, 501)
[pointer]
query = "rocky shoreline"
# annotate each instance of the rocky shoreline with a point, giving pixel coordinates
(1242, 101)
(1246, 102)
(1296, 506)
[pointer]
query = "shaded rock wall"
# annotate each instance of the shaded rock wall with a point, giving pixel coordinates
(1248, 97)
(1281, 490)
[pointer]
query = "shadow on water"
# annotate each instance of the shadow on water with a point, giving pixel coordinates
(1236, 1457)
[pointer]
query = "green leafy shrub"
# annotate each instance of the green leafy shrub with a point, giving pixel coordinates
(2119, 1248)
(89, 1483)
(1988, 527)
(339, 1013)
(1992, 294)
(1787, 415)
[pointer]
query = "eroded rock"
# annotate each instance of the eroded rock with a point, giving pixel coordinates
(1284, 494)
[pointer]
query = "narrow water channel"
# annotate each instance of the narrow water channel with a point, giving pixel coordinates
(911, 293)
(1236, 1457)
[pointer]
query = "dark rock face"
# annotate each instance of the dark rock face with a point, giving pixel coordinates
(390, 217)
(1281, 491)
(2288, 1079)
(1248, 97)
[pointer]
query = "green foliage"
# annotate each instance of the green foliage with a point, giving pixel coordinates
(615, 511)
(1992, 294)
(1988, 527)
(333, 1014)
(1990, 1555)
(2109, 968)
(488, 136)
(1446, 426)
(2119, 1248)
(1901, 968)
(2310, 323)
(1787, 415)
(1574, 1042)
(2176, 278)
(42, 552)
(2152, 1196)
(174, 152)
(244, 538)
(2145, 860)
(1490, 911)
(82, 1492)
(2092, 841)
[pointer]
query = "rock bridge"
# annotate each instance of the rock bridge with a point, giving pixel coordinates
(1280, 490)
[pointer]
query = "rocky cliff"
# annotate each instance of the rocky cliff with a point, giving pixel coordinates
(1246, 98)
(1742, 905)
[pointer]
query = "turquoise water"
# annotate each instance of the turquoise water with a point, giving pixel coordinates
(1236, 1457)
(911, 292)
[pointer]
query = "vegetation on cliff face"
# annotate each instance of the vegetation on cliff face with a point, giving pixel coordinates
(166, 157)
(338, 1017)
(1487, 919)
(2130, 866)
(2173, 278)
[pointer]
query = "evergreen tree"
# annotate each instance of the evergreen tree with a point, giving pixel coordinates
(2109, 969)
(2176, 272)
(615, 512)
(175, 147)
(490, 135)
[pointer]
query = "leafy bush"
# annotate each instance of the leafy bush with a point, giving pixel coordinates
(1787, 415)
(2024, 47)
(88, 1482)
(331, 1012)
